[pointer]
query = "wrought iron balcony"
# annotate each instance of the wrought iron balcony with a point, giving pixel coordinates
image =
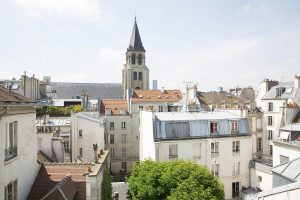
(10, 153)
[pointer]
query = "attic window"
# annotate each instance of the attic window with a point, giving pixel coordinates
(280, 91)
(289, 90)
(123, 112)
(108, 111)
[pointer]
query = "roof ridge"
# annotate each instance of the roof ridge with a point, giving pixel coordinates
(68, 163)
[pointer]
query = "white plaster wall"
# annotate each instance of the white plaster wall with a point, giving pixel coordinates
(58, 149)
(94, 185)
(147, 145)
(284, 150)
(92, 133)
(44, 141)
(24, 167)
(266, 182)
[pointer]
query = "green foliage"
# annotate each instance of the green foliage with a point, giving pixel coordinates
(58, 111)
(106, 186)
(173, 180)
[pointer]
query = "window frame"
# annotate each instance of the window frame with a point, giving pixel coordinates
(173, 151)
(111, 126)
(123, 138)
(11, 141)
(123, 125)
(213, 127)
(13, 195)
(214, 148)
(235, 189)
(112, 139)
(236, 147)
(270, 120)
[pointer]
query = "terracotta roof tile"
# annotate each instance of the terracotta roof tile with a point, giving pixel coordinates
(12, 97)
(51, 174)
(115, 105)
(156, 96)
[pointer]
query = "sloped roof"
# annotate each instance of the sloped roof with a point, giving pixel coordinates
(114, 104)
(156, 96)
(290, 92)
(135, 43)
(218, 98)
(93, 90)
(52, 175)
(11, 97)
(42, 157)
(290, 170)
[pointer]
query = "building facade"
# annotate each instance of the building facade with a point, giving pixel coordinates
(221, 141)
(18, 157)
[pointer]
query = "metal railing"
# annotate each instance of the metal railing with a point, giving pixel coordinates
(10, 153)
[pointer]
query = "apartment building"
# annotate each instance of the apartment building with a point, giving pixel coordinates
(18, 145)
(219, 140)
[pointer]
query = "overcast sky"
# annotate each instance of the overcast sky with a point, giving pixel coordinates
(213, 43)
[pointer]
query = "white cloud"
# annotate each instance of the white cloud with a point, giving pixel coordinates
(85, 9)
(110, 54)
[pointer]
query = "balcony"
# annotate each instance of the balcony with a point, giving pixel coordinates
(10, 153)
(235, 173)
(214, 154)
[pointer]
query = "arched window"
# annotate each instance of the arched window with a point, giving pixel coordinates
(134, 75)
(140, 59)
(140, 76)
(133, 59)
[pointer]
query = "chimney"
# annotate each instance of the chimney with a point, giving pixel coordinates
(162, 90)
(95, 147)
(297, 81)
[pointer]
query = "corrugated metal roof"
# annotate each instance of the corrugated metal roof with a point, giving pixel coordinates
(290, 170)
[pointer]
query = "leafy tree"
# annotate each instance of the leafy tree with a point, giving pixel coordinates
(106, 186)
(77, 108)
(173, 180)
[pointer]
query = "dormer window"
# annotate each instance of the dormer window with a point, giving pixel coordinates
(108, 111)
(122, 111)
(280, 91)
(213, 127)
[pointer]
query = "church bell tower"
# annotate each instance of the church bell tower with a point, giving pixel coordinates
(135, 73)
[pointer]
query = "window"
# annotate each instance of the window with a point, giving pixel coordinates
(123, 125)
(236, 147)
(270, 120)
(270, 108)
(80, 152)
(214, 148)
(236, 169)
(134, 75)
(80, 133)
(140, 76)
(173, 151)
(133, 60)
(11, 191)
(140, 59)
(270, 135)
(123, 152)
(284, 159)
(234, 126)
(259, 144)
(215, 169)
(124, 166)
(123, 138)
(160, 109)
(112, 139)
(259, 179)
(112, 152)
(66, 146)
(271, 150)
(235, 189)
(196, 151)
(213, 127)
(279, 91)
(11, 141)
(111, 125)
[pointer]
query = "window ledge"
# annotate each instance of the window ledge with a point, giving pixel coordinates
(10, 161)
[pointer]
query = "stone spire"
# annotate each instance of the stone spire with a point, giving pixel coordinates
(135, 43)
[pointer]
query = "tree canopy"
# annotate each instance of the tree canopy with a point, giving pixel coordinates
(173, 180)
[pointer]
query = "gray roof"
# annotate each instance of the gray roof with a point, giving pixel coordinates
(135, 43)
(290, 170)
(93, 90)
(278, 190)
(290, 92)
(263, 167)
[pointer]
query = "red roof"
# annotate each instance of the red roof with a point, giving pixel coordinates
(7, 96)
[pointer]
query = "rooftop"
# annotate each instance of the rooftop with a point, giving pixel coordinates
(290, 170)
(69, 177)
(7, 96)
(116, 105)
(177, 116)
(289, 93)
(156, 96)
(93, 116)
